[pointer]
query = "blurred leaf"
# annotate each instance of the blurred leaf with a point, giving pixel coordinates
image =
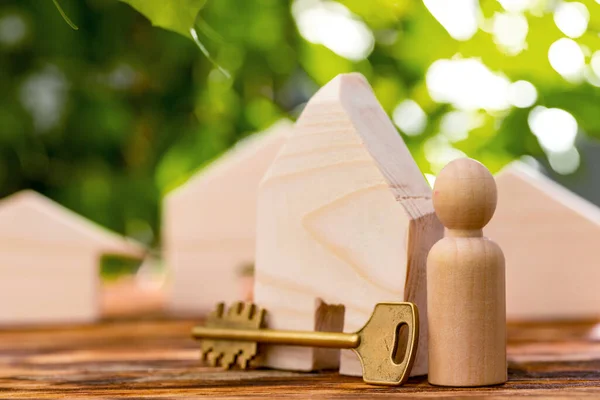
(422, 41)
(64, 15)
(489, 7)
(175, 15)
(389, 90)
(379, 13)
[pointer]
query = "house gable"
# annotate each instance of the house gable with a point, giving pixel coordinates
(338, 215)
(28, 218)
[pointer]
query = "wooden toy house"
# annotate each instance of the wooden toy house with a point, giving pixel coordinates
(344, 218)
(550, 238)
(209, 226)
(49, 261)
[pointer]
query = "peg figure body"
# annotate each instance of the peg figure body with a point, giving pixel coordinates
(466, 282)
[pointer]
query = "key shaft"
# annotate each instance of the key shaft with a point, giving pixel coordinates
(272, 336)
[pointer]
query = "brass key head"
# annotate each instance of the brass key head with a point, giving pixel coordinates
(388, 343)
(227, 353)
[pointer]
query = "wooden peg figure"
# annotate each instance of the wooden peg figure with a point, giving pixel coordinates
(466, 282)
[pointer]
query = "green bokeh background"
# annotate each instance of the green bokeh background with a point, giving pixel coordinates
(141, 108)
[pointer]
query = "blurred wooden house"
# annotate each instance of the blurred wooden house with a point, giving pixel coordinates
(50, 261)
(550, 238)
(209, 225)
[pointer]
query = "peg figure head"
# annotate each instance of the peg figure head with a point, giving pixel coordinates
(464, 195)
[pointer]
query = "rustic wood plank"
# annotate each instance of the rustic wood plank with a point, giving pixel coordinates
(155, 358)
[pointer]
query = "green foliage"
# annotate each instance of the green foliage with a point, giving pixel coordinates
(108, 119)
(175, 15)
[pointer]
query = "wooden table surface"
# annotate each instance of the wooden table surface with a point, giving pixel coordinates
(154, 357)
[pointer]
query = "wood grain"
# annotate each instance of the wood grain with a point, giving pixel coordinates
(344, 216)
(210, 223)
(153, 357)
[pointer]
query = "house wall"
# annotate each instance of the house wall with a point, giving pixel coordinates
(46, 285)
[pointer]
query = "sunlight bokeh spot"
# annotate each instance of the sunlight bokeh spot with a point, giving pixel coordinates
(122, 77)
(565, 162)
(516, 5)
(458, 17)
(566, 57)
(410, 118)
(12, 29)
(439, 152)
(522, 94)
(590, 76)
(555, 129)
(44, 95)
(595, 62)
(467, 84)
(335, 27)
(572, 18)
(510, 32)
(455, 125)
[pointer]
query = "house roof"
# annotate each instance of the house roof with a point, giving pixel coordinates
(242, 152)
(551, 189)
(28, 216)
(220, 201)
(351, 118)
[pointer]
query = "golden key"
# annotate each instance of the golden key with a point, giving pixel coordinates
(231, 337)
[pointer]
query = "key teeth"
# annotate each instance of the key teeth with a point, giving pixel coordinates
(259, 318)
(242, 363)
(235, 309)
(247, 311)
(229, 354)
(205, 351)
(244, 360)
(228, 361)
(217, 313)
(213, 358)
(220, 310)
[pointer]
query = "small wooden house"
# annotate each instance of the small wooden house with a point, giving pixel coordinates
(344, 218)
(209, 226)
(50, 261)
(550, 238)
